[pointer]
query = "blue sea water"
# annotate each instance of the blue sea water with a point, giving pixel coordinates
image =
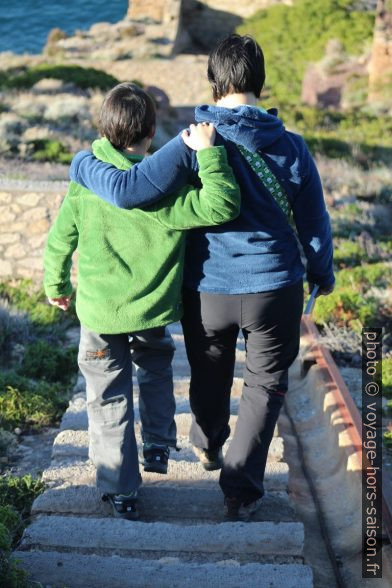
(25, 24)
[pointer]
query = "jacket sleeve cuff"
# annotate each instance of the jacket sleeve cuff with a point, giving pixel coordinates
(323, 282)
(58, 290)
(208, 155)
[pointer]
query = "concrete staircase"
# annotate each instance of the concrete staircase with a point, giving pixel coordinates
(181, 539)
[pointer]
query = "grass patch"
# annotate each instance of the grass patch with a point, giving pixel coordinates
(352, 303)
(387, 377)
(16, 498)
(19, 492)
(347, 307)
(293, 36)
(388, 439)
(26, 297)
(42, 361)
(363, 277)
(348, 253)
(83, 77)
(28, 404)
(50, 150)
(359, 137)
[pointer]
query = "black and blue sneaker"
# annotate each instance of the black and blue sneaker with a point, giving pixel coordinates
(124, 505)
(155, 458)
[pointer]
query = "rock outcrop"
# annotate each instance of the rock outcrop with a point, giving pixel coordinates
(325, 82)
(380, 66)
(196, 24)
(160, 10)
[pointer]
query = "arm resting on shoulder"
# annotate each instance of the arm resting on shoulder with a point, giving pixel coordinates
(216, 202)
(165, 172)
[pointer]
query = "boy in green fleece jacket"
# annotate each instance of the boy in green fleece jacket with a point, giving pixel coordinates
(130, 266)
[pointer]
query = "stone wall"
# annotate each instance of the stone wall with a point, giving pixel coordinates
(25, 219)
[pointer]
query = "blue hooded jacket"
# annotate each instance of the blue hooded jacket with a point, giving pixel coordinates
(258, 251)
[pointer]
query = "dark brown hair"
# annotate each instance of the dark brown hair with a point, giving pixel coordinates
(127, 115)
(236, 65)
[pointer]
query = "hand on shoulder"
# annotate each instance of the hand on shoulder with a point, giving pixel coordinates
(199, 136)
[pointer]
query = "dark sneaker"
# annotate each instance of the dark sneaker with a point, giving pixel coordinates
(124, 505)
(210, 459)
(238, 510)
(156, 458)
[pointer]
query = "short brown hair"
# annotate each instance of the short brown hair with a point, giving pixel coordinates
(236, 65)
(127, 115)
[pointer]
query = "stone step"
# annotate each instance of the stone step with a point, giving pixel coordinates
(159, 503)
(71, 472)
(140, 539)
(71, 443)
(75, 418)
(113, 571)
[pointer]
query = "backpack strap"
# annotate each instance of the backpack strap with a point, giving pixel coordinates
(268, 179)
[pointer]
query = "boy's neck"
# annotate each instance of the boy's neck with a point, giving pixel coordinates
(135, 150)
(140, 148)
(233, 100)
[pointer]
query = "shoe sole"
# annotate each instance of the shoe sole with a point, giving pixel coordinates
(129, 516)
(209, 466)
(212, 466)
(244, 515)
(156, 469)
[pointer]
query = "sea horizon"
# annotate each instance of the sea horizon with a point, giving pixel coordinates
(24, 26)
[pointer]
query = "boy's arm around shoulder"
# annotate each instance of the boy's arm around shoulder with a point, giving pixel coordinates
(216, 202)
(164, 172)
(313, 224)
(60, 245)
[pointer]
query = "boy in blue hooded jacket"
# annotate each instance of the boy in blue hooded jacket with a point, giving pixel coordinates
(245, 275)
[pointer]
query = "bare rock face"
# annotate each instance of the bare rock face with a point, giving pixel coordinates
(324, 82)
(197, 24)
(380, 66)
(159, 10)
(148, 9)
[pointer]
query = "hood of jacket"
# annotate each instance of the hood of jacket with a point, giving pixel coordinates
(104, 150)
(250, 126)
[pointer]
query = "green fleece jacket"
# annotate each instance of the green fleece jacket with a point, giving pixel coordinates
(130, 262)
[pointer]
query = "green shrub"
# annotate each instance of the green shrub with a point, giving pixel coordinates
(30, 404)
(16, 497)
(388, 439)
(355, 135)
(350, 304)
(12, 520)
(24, 409)
(8, 443)
(50, 150)
(10, 573)
(43, 361)
(387, 377)
(83, 77)
(14, 328)
(387, 411)
(25, 296)
(293, 36)
(19, 492)
(347, 307)
(365, 276)
(348, 253)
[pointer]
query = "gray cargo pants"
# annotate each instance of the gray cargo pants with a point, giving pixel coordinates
(106, 363)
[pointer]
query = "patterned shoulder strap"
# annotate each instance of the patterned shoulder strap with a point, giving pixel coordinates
(268, 179)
